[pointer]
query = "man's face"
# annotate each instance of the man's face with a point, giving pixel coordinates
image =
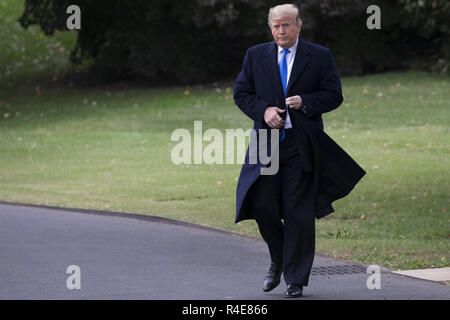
(285, 31)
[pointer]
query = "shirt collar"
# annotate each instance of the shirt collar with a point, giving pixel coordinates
(292, 49)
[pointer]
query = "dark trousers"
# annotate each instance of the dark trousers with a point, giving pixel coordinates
(289, 194)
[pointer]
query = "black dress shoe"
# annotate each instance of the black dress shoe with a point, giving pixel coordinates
(294, 291)
(272, 279)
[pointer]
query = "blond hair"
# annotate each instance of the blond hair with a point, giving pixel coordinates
(283, 11)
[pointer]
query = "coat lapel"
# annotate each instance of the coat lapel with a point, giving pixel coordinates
(271, 65)
(301, 60)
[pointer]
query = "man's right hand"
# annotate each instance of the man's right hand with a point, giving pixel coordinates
(272, 117)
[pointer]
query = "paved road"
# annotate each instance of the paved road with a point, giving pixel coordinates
(145, 258)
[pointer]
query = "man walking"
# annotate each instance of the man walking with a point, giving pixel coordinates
(286, 85)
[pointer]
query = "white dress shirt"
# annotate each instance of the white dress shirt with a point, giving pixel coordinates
(290, 57)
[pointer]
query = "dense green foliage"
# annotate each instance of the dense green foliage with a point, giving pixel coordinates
(200, 40)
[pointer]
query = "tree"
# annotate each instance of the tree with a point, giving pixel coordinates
(198, 40)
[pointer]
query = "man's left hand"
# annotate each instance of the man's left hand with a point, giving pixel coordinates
(294, 102)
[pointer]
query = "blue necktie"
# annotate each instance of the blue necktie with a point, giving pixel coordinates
(283, 75)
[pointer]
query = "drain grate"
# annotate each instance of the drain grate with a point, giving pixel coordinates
(338, 269)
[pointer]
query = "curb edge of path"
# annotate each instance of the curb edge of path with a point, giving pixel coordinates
(158, 219)
(136, 216)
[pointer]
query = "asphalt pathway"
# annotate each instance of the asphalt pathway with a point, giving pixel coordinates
(136, 257)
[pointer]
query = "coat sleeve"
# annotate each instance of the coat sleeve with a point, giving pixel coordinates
(245, 95)
(329, 95)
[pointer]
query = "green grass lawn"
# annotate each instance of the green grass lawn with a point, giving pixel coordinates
(109, 148)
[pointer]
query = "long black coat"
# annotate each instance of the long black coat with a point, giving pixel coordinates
(315, 80)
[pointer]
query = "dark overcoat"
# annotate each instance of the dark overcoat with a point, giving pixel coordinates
(315, 80)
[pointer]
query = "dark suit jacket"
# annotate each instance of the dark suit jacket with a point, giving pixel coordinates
(315, 80)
